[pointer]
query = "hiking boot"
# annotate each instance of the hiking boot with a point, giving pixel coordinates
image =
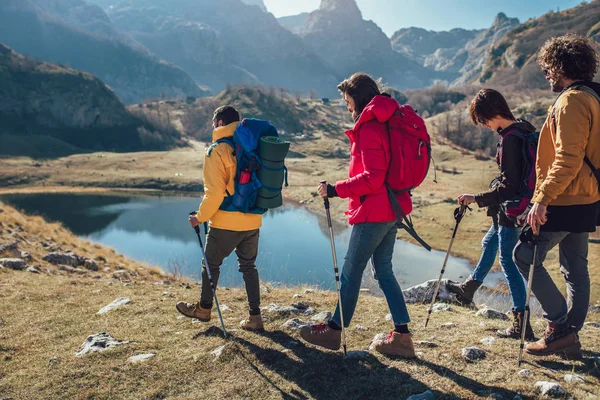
(322, 335)
(558, 339)
(194, 311)
(396, 344)
(253, 323)
(514, 331)
(464, 291)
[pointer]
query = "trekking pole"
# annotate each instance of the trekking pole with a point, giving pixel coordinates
(335, 268)
(210, 279)
(459, 213)
(527, 299)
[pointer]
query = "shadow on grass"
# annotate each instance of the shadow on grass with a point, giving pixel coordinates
(589, 365)
(325, 374)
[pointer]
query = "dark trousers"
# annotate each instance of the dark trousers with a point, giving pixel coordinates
(220, 244)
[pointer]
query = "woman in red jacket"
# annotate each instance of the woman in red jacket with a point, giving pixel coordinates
(371, 214)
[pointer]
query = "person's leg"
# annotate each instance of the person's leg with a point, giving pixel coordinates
(220, 244)
(382, 262)
(399, 341)
(247, 251)
(489, 249)
(509, 237)
(543, 287)
(574, 267)
(558, 338)
(365, 238)
(363, 241)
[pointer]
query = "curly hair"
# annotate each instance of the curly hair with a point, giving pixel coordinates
(571, 55)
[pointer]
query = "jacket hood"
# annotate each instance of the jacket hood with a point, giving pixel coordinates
(381, 108)
(520, 124)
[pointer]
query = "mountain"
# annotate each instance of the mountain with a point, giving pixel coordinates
(347, 43)
(47, 109)
(258, 3)
(459, 51)
(241, 43)
(294, 23)
(512, 59)
(74, 33)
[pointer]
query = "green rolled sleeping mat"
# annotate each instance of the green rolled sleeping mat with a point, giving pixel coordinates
(273, 173)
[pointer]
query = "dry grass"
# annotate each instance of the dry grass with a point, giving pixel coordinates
(47, 316)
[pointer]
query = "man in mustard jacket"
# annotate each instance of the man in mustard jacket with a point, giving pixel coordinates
(566, 202)
(229, 230)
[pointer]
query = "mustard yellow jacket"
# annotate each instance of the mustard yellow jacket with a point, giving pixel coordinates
(563, 178)
(219, 174)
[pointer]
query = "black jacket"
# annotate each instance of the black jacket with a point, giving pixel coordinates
(506, 185)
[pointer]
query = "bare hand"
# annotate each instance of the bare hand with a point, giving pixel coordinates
(466, 199)
(537, 217)
(322, 189)
(194, 221)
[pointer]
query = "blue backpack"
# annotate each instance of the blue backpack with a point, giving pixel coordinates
(245, 144)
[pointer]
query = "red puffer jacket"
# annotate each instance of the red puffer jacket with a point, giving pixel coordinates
(369, 160)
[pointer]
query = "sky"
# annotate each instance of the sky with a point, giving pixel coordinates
(438, 15)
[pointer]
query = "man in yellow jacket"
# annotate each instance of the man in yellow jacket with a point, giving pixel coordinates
(566, 202)
(229, 230)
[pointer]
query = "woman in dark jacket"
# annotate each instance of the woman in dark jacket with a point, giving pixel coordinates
(371, 215)
(489, 109)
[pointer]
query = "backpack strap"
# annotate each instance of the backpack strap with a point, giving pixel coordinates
(589, 90)
(228, 140)
(402, 220)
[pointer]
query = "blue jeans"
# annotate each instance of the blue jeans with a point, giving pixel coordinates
(506, 239)
(368, 239)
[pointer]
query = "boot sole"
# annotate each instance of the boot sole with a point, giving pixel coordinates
(394, 354)
(572, 352)
(321, 345)
(192, 316)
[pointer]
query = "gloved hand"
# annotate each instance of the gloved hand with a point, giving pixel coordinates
(331, 192)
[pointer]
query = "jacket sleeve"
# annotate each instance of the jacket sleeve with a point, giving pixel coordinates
(215, 185)
(572, 135)
(511, 171)
(375, 163)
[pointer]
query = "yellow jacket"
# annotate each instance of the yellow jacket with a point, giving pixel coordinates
(219, 174)
(563, 178)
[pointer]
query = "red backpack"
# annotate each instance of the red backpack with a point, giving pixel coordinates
(410, 146)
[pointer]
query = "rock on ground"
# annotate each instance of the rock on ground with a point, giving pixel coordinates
(62, 259)
(378, 337)
(323, 317)
(491, 314)
(13, 263)
(140, 358)
(552, 389)
(282, 311)
(294, 324)
(472, 354)
(423, 293)
(99, 342)
(121, 301)
(437, 307)
(572, 378)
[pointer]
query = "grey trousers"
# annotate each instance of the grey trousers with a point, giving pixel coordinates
(573, 249)
(219, 245)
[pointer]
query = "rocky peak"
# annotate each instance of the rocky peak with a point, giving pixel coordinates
(258, 3)
(347, 8)
(502, 21)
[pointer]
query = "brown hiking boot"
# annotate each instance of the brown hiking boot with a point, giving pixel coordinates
(558, 339)
(253, 323)
(322, 335)
(514, 331)
(194, 311)
(464, 291)
(396, 344)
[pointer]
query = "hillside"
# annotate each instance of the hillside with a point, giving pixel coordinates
(512, 60)
(48, 110)
(58, 308)
(71, 32)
